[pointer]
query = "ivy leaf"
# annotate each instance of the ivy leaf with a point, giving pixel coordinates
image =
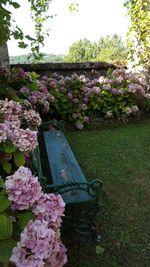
(9, 147)
(7, 167)
(19, 158)
(6, 227)
(24, 218)
(6, 247)
(4, 202)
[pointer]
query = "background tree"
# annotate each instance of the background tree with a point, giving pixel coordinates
(109, 48)
(82, 50)
(139, 32)
(8, 28)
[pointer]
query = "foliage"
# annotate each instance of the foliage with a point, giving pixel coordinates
(109, 48)
(80, 51)
(23, 205)
(29, 59)
(78, 99)
(139, 31)
(7, 28)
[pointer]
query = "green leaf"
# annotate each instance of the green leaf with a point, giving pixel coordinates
(7, 167)
(19, 158)
(15, 4)
(9, 147)
(6, 247)
(1, 182)
(24, 218)
(99, 250)
(6, 227)
(4, 202)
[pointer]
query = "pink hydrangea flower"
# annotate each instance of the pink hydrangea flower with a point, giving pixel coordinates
(23, 189)
(96, 90)
(50, 97)
(75, 100)
(43, 89)
(24, 140)
(79, 125)
(106, 87)
(12, 122)
(50, 207)
(53, 83)
(22, 258)
(58, 258)
(128, 111)
(84, 106)
(24, 89)
(32, 117)
(21, 73)
(118, 79)
(70, 95)
(10, 107)
(74, 115)
(135, 109)
(114, 91)
(37, 244)
(86, 119)
(119, 72)
(46, 106)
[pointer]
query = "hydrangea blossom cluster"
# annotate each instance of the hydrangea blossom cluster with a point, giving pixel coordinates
(32, 117)
(40, 243)
(39, 246)
(10, 107)
(13, 114)
(23, 189)
(40, 99)
(50, 208)
(24, 140)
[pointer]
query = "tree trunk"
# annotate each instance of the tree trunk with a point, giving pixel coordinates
(4, 57)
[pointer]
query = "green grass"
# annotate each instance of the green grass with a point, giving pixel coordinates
(121, 158)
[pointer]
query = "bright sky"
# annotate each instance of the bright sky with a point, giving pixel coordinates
(95, 18)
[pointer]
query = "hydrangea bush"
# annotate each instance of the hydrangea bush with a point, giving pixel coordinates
(79, 99)
(30, 220)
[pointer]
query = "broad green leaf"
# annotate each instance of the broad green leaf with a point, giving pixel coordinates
(4, 202)
(99, 250)
(1, 182)
(19, 158)
(7, 167)
(6, 227)
(6, 247)
(24, 218)
(9, 147)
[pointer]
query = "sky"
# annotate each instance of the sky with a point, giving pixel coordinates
(95, 18)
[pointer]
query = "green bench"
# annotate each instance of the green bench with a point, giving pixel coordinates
(66, 178)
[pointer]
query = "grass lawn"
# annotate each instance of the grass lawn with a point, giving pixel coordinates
(121, 158)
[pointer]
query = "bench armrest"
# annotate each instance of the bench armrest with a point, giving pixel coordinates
(93, 188)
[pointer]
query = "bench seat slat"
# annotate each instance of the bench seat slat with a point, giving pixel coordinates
(64, 166)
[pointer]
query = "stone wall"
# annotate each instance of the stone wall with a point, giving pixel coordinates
(92, 70)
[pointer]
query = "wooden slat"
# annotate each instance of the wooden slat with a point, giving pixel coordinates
(64, 166)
